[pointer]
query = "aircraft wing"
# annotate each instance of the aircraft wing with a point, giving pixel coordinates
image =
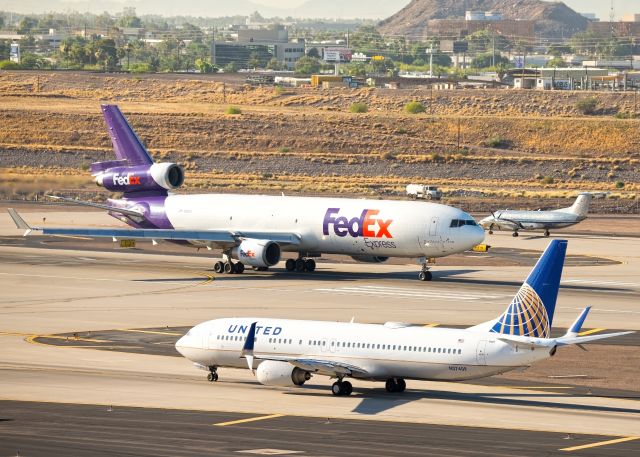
(506, 224)
(220, 237)
(332, 368)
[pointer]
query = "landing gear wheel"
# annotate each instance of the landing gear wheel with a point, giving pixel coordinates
(228, 267)
(425, 276)
(515, 234)
(239, 267)
(300, 265)
(310, 265)
(401, 385)
(391, 385)
(546, 233)
(212, 377)
(341, 388)
(290, 265)
(490, 232)
(218, 267)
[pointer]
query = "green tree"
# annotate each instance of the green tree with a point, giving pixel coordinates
(31, 61)
(273, 64)
(307, 66)
(5, 48)
(205, 67)
(313, 52)
(487, 60)
(129, 18)
(27, 25)
(556, 62)
(254, 60)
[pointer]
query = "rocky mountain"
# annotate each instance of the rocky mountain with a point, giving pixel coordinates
(552, 18)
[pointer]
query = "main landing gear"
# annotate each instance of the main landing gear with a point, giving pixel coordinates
(341, 388)
(300, 265)
(395, 385)
(425, 274)
(514, 234)
(213, 374)
(228, 267)
(546, 232)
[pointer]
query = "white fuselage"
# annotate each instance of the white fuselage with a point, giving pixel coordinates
(383, 351)
(356, 227)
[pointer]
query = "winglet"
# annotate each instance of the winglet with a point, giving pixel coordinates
(577, 325)
(247, 349)
(20, 223)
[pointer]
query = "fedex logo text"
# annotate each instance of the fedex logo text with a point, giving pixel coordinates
(248, 254)
(127, 180)
(367, 225)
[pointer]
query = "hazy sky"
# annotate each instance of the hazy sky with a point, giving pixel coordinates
(600, 7)
(371, 8)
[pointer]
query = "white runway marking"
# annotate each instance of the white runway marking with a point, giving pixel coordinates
(600, 282)
(383, 291)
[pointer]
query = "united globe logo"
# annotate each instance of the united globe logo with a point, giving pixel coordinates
(525, 316)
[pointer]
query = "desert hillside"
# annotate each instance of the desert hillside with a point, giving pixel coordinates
(485, 148)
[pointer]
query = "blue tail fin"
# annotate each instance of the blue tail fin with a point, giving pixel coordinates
(531, 310)
(126, 143)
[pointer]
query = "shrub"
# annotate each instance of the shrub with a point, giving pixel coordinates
(414, 108)
(8, 65)
(619, 184)
(285, 149)
(622, 115)
(497, 142)
(278, 90)
(388, 156)
(547, 180)
(587, 105)
(358, 107)
(233, 110)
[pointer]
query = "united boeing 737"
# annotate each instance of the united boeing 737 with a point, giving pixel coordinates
(254, 230)
(288, 352)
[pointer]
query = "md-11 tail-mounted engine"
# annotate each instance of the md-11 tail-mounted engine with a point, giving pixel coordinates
(369, 258)
(257, 253)
(156, 177)
(274, 373)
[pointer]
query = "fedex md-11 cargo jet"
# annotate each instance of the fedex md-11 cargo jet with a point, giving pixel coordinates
(254, 230)
(288, 352)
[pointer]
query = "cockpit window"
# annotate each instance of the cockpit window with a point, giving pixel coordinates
(460, 222)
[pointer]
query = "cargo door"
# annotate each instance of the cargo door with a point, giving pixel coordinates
(433, 226)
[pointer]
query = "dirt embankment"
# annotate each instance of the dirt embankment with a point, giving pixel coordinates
(495, 146)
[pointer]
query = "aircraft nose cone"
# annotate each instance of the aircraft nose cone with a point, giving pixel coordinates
(478, 235)
(181, 344)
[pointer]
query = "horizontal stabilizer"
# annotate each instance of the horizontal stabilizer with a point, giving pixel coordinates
(564, 341)
(126, 212)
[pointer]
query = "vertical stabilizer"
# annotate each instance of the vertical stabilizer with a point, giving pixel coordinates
(126, 143)
(581, 206)
(531, 310)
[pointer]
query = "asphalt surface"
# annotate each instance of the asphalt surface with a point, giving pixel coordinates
(47, 429)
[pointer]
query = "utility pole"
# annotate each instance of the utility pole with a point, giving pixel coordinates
(213, 48)
(458, 134)
(493, 49)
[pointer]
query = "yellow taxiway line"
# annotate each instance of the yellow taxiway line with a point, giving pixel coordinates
(589, 332)
(600, 443)
(250, 419)
(430, 325)
(31, 337)
(148, 331)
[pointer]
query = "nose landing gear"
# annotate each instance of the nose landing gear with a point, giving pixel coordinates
(213, 374)
(425, 274)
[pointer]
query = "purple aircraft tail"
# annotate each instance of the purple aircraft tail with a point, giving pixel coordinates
(133, 172)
